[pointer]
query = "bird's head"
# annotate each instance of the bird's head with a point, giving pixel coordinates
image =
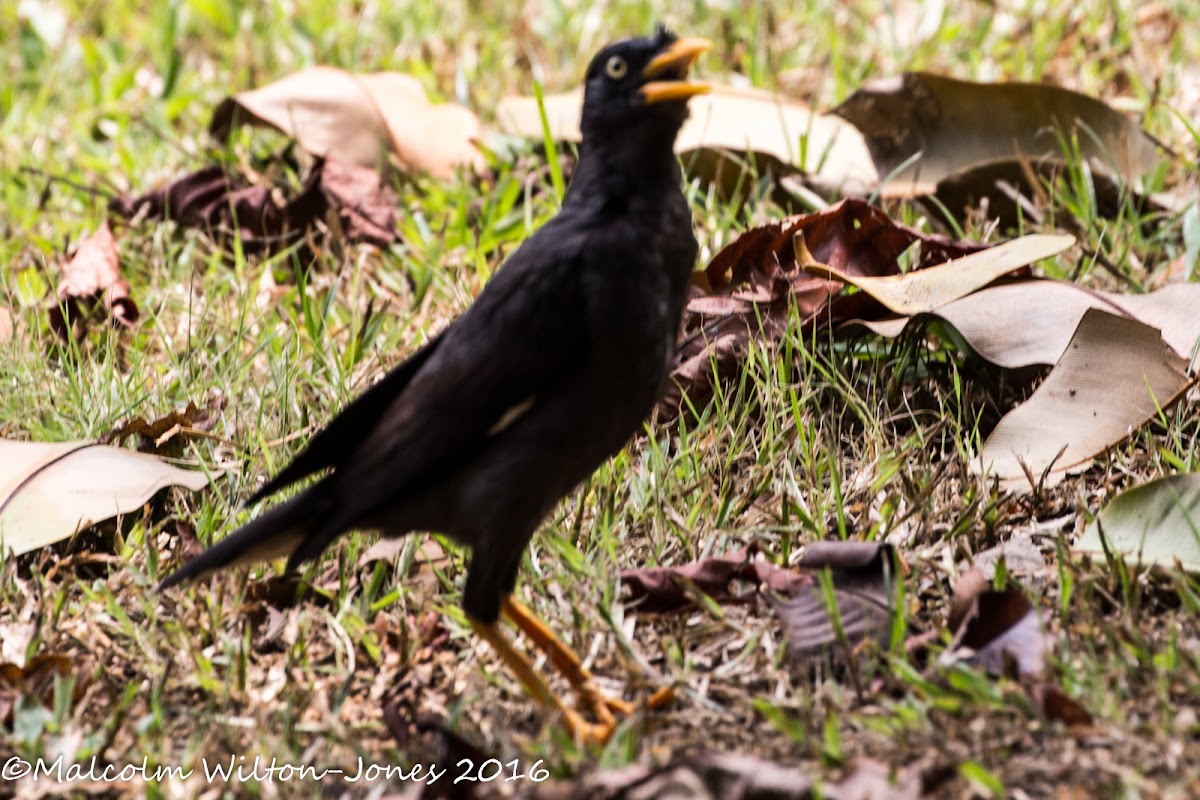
(637, 81)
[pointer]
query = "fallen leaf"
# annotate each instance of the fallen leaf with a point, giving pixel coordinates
(659, 590)
(357, 119)
(863, 581)
(177, 426)
(995, 626)
(926, 290)
(923, 129)
(222, 203)
(6, 325)
(91, 280)
(51, 491)
(999, 632)
(758, 281)
(34, 679)
(1057, 706)
(727, 130)
(1114, 376)
(1029, 322)
(1157, 522)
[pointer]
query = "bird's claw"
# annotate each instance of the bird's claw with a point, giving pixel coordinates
(606, 710)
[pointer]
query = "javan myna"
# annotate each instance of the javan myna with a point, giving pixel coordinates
(552, 369)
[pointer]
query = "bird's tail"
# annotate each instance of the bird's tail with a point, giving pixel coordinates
(278, 532)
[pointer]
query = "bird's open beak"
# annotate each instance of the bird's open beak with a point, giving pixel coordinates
(672, 65)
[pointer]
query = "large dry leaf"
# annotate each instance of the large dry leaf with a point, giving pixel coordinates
(50, 491)
(358, 118)
(727, 127)
(757, 283)
(1113, 377)
(1029, 322)
(1155, 523)
(925, 290)
(92, 284)
(953, 124)
(223, 204)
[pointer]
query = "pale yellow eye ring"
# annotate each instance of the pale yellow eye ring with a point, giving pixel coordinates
(616, 67)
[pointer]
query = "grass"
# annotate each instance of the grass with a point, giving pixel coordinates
(817, 439)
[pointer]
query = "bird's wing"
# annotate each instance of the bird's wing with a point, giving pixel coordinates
(526, 335)
(346, 432)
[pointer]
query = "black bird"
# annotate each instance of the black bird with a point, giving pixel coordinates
(557, 363)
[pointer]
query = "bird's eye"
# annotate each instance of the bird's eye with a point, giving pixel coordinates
(616, 68)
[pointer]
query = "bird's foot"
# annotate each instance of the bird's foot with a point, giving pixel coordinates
(607, 711)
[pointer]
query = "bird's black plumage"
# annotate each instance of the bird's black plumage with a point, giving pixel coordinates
(549, 372)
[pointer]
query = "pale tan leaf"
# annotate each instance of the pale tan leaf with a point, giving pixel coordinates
(925, 290)
(6, 325)
(1113, 377)
(730, 121)
(50, 491)
(359, 118)
(1030, 322)
(952, 124)
(1155, 523)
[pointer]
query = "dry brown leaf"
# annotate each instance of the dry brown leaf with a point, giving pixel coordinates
(758, 281)
(34, 679)
(221, 203)
(955, 124)
(999, 631)
(728, 128)
(658, 590)
(1113, 377)
(357, 118)
(926, 290)
(91, 280)
(177, 427)
(862, 579)
(995, 626)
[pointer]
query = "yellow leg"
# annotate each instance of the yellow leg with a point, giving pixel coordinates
(570, 666)
(533, 683)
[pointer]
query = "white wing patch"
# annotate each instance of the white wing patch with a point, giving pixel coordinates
(512, 415)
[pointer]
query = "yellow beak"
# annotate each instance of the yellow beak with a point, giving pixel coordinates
(677, 58)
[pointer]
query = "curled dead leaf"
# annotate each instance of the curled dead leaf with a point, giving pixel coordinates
(91, 282)
(756, 280)
(995, 626)
(223, 204)
(176, 427)
(1115, 375)
(34, 679)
